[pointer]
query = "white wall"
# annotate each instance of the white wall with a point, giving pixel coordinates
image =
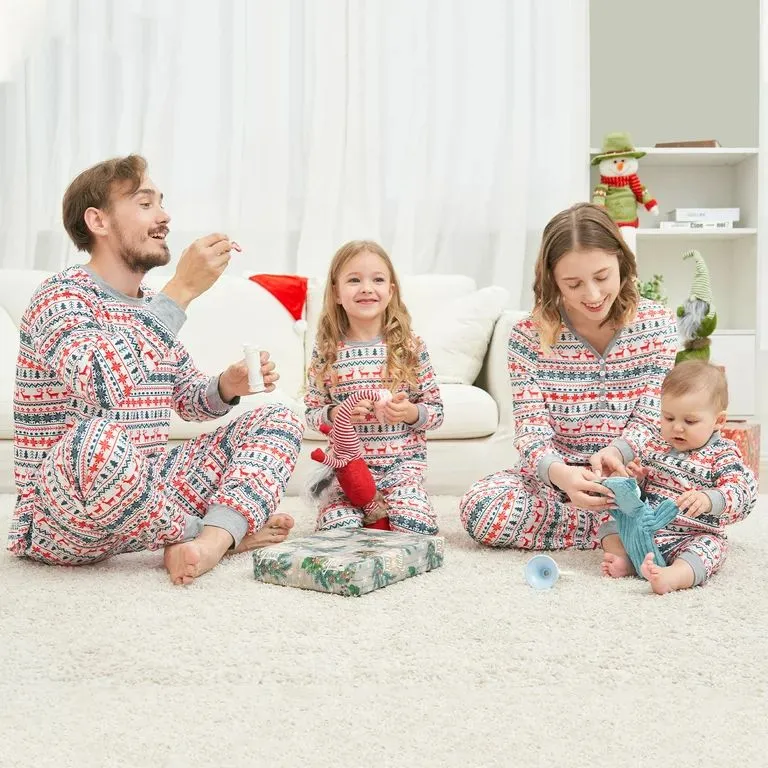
(640, 51)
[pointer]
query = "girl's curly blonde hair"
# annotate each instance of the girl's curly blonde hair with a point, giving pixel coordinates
(582, 227)
(333, 326)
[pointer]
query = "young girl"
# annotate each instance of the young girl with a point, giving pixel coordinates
(364, 339)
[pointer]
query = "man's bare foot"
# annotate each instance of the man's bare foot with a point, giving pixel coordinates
(190, 559)
(276, 530)
(664, 579)
(616, 566)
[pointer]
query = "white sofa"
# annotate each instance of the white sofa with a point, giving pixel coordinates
(466, 331)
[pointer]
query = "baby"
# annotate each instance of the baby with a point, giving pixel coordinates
(701, 471)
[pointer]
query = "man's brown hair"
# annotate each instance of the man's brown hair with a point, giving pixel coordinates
(92, 189)
(698, 376)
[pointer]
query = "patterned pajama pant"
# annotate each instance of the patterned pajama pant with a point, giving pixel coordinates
(703, 547)
(511, 509)
(99, 496)
(408, 504)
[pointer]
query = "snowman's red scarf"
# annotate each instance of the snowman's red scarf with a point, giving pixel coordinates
(632, 181)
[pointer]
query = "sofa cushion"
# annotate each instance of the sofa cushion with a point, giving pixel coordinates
(469, 412)
(457, 335)
(233, 312)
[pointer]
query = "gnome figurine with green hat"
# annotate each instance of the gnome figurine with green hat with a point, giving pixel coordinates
(696, 317)
(620, 190)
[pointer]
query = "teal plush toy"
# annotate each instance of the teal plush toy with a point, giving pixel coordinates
(636, 521)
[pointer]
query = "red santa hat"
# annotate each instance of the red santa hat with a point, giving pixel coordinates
(290, 291)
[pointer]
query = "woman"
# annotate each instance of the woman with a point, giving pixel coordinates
(586, 369)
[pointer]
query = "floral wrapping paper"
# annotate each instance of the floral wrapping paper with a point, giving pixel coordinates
(746, 435)
(348, 561)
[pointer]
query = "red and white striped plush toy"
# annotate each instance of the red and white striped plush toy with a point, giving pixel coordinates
(346, 459)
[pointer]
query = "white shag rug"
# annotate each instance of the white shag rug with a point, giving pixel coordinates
(464, 666)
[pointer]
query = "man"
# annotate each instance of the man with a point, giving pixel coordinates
(100, 369)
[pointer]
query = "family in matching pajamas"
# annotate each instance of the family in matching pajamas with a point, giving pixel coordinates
(100, 370)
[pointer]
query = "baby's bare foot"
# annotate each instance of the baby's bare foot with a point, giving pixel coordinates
(616, 566)
(276, 530)
(190, 559)
(659, 577)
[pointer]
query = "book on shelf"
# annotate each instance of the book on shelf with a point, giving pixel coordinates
(704, 214)
(682, 144)
(695, 225)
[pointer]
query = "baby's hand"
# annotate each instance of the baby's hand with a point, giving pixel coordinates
(637, 471)
(694, 503)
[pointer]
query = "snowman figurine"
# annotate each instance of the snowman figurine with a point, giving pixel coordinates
(620, 190)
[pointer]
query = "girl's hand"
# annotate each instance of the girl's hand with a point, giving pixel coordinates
(608, 462)
(582, 487)
(694, 503)
(362, 412)
(399, 409)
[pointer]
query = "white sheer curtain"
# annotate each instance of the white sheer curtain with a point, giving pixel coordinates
(449, 130)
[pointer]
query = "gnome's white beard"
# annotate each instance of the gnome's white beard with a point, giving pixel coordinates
(317, 490)
(694, 312)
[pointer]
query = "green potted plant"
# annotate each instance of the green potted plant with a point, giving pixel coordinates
(652, 289)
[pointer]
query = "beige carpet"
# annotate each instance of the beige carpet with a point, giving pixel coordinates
(465, 666)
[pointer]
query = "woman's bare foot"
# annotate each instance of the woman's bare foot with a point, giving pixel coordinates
(190, 559)
(668, 578)
(276, 530)
(616, 566)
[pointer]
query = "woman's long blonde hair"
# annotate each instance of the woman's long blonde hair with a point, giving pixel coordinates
(582, 227)
(402, 357)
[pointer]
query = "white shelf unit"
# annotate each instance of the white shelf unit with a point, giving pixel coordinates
(735, 349)
(712, 178)
(721, 234)
(682, 157)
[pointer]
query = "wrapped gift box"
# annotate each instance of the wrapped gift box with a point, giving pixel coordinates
(348, 561)
(746, 434)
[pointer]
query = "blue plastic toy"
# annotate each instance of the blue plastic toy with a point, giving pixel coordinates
(541, 572)
(636, 521)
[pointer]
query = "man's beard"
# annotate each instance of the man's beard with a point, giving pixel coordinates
(140, 262)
